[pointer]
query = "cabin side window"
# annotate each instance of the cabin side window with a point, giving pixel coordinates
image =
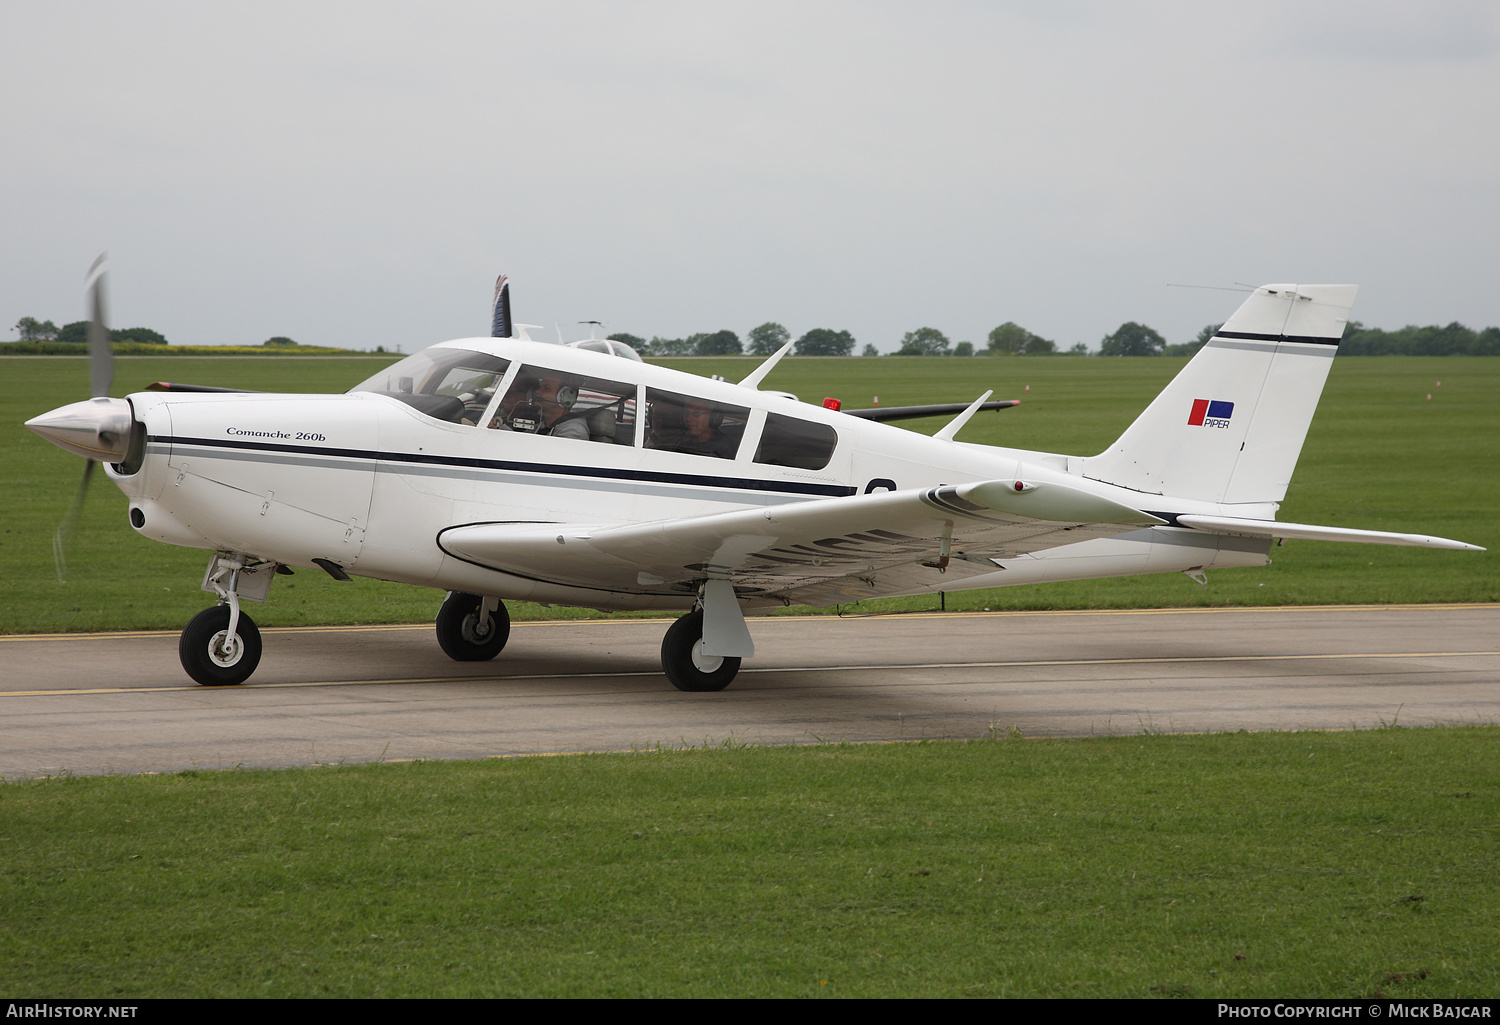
(693, 425)
(563, 405)
(448, 384)
(788, 441)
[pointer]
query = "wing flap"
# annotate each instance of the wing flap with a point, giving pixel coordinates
(869, 545)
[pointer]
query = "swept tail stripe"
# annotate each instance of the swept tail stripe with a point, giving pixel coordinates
(1309, 339)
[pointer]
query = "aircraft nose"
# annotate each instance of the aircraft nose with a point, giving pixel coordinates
(97, 428)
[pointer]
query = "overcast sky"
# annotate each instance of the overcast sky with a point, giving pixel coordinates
(357, 174)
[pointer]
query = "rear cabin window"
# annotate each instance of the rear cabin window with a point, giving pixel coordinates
(562, 405)
(693, 425)
(788, 441)
(449, 384)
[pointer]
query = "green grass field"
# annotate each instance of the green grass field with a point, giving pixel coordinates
(1379, 456)
(1229, 865)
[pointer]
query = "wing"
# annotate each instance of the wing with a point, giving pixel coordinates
(818, 552)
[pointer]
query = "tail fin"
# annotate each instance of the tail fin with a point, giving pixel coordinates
(500, 325)
(1230, 426)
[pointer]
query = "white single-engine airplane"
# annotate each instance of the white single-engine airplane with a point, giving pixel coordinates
(501, 468)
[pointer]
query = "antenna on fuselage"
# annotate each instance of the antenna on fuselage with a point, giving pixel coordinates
(500, 322)
(759, 373)
(947, 433)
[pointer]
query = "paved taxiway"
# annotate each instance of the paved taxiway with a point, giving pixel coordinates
(121, 703)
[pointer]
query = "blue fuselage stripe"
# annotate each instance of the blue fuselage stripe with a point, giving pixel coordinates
(548, 469)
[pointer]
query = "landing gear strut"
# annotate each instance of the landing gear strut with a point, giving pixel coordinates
(471, 628)
(220, 646)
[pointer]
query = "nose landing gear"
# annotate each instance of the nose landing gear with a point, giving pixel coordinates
(216, 653)
(220, 646)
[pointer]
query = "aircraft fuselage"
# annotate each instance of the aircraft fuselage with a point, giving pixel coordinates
(369, 482)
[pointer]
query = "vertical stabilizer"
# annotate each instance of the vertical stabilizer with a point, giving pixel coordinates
(500, 324)
(1230, 426)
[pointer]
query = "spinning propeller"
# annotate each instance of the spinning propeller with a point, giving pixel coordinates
(99, 428)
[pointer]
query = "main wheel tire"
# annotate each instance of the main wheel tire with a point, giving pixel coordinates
(686, 665)
(200, 646)
(458, 631)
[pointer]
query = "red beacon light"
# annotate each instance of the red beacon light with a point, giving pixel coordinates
(834, 404)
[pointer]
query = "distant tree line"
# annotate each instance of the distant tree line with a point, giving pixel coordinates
(1009, 339)
(1453, 340)
(763, 341)
(29, 329)
(1132, 339)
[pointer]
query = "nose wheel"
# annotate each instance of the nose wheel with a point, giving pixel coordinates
(215, 657)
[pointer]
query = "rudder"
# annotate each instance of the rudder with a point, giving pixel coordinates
(1230, 425)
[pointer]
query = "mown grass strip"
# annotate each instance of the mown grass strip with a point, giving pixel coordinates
(1224, 865)
(1323, 864)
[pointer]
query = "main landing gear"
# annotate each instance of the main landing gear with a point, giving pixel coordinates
(220, 646)
(471, 628)
(703, 649)
(685, 662)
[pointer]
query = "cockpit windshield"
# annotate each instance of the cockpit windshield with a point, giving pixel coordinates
(450, 384)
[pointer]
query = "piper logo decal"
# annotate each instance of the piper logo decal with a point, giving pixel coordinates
(1207, 413)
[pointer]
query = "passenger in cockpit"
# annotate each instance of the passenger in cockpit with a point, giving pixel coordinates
(666, 426)
(702, 424)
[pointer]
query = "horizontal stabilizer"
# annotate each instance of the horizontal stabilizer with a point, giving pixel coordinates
(1311, 532)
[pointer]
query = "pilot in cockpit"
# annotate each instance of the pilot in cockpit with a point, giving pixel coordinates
(541, 405)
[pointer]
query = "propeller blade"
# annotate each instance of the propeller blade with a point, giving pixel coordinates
(101, 353)
(65, 530)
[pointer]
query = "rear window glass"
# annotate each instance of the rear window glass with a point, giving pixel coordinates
(693, 425)
(788, 441)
